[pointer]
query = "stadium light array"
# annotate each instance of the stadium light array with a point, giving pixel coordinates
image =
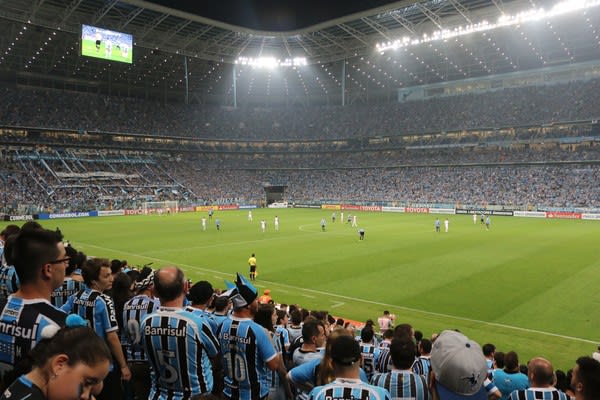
(271, 62)
(561, 8)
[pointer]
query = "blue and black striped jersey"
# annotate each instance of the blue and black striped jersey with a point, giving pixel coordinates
(369, 353)
(9, 281)
(349, 389)
(403, 385)
(134, 312)
(68, 288)
(538, 394)
(179, 345)
(95, 307)
(21, 325)
(246, 349)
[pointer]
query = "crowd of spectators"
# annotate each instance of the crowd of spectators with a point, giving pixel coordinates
(571, 101)
(43, 179)
(168, 337)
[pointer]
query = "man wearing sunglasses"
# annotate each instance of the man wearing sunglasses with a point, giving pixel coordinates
(40, 261)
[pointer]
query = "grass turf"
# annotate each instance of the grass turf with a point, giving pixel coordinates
(528, 285)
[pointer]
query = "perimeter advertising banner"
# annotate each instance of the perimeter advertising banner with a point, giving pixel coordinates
(331, 206)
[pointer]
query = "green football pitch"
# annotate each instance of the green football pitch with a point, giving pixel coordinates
(529, 285)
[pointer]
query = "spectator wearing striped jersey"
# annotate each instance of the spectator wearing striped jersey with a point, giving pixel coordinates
(200, 295)
(368, 350)
(586, 379)
(246, 349)
(40, 261)
(134, 312)
(345, 358)
(541, 380)
(422, 365)
(98, 308)
(383, 361)
(9, 280)
(266, 316)
(401, 381)
(459, 370)
(69, 286)
(489, 350)
(178, 343)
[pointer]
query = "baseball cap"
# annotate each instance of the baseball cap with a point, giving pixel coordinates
(459, 366)
(345, 350)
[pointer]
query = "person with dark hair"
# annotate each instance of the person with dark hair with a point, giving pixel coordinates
(586, 379)
(401, 381)
(134, 312)
(98, 308)
(295, 326)
(201, 295)
(313, 338)
(383, 362)
(386, 338)
(178, 343)
(69, 285)
(279, 389)
(246, 350)
(281, 332)
(71, 365)
(386, 321)
(40, 261)
(510, 378)
(488, 352)
(8, 230)
(222, 307)
(9, 280)
(368, 350)
(422, 365)
(345, 359)
(498, 360)
(541, 381)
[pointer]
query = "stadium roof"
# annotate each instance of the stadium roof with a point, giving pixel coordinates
(40, 43)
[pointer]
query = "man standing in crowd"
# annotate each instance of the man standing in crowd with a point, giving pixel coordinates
(541, 381)
(252, 264)
(201, 295)
(586, 379)
(98, 308)
(313, 338)
(177, 342)
(246, 348)
(40, 261)
(134, 312)
(510, 378)
(401, 382)
(345, 358)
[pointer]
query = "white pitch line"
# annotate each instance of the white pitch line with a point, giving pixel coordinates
(337, 304)
(356, 299)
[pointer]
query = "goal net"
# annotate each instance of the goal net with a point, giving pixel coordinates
(160, 207)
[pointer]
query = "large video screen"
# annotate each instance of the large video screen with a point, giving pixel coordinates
(106, 44)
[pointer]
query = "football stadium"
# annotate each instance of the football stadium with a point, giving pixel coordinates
(199, 182)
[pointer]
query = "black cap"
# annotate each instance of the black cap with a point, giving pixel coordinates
(201, 292)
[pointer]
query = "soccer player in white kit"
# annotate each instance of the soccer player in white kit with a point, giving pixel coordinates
(446, 223)
(203, 223)
(250, 215)
(263, 225)
(276, 223)
(354, 221)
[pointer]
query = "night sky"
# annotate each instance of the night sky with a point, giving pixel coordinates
(272, 15)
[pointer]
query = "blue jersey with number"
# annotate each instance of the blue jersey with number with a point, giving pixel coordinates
(95, 307)
(349, 389)
(179, 345)
(403, 384)
(246, 349)
(369, 353)
(134, 312)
